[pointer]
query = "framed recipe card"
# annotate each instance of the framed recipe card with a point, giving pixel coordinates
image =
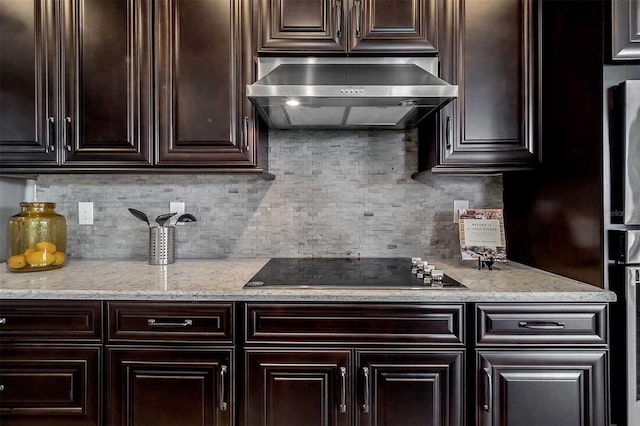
(482, 234)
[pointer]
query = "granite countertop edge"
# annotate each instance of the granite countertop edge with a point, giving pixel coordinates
(222, 280)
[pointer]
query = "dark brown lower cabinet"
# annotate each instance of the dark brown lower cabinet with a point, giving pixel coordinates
(542, 388)
(169, 386)
(409, 388)
(303, 364)
(292, 387)
(50, 385)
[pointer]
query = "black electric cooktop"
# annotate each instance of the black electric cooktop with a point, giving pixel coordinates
(362, 273)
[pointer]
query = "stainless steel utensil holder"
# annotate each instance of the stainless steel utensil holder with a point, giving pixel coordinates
(162, 245)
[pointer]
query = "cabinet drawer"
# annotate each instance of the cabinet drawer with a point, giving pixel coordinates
(562, 324)
(170, 322)
(49, 385)
(355, 323)
(76, 321)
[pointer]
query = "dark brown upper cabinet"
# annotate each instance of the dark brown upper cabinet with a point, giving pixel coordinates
(488, 48)
(81, 88)
(75, 83)
(106, 83)
(347, 26)
(28, 89)
(625, 30)
(201, 109)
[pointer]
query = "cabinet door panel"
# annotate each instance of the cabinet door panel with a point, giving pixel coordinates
(542, 388)
(400, 26)
(28, 83)
(107, 75)
(49, 385)
(491, 55)
(625, 27)
(297, 387)
(169, 386)
(410, 388)
(198, 84)
(301, 25)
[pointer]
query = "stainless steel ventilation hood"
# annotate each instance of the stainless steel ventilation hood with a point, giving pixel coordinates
(348, 93)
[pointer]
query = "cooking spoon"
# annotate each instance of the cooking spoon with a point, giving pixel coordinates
(185, 218)
(160, 220)
(140, 215)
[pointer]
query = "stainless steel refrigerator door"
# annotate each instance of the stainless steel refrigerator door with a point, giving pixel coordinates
(630, 149)
(633, 345)
(633, 247)
(624, 246)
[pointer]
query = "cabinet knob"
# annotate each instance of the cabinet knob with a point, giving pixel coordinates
(3, 321)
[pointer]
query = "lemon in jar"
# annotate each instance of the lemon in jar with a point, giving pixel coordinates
(41, 258)
(17, 261)
(59, 258)
(46, 246)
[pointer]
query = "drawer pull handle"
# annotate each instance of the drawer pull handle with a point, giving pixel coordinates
(365, 406)
(223, 404)
(153, 323)
(488, 393)
(338, 18)
(358, 6)
(245, 130)
(343, 389)
(3, 321)
(67, 133)
(541, 325)
(1, 388)
(51, 146)
(447, 133)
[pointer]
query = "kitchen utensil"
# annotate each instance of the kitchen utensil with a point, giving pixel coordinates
(186, 218)
(140, 215)
(160, 220)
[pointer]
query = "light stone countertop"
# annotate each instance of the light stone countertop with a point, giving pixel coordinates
(222, 279)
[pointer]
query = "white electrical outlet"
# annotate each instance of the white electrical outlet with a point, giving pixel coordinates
(85, 213)
(457, 205)
(176, 207)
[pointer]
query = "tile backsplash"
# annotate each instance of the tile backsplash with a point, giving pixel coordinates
(336, 193)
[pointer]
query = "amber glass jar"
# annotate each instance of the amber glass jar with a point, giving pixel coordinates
(37, 238)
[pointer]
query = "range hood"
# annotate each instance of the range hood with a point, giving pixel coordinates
(348, 93)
